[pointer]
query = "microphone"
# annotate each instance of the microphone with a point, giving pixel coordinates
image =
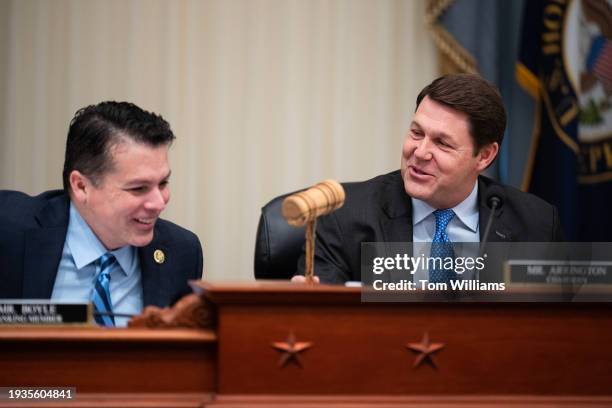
(495, 201)
(320, 199)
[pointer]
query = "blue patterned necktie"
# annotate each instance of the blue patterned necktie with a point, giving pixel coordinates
(101, 294)
(442, 247)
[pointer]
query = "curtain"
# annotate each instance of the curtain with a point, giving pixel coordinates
(264, 96)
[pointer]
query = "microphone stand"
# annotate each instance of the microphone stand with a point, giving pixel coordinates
(494, 204)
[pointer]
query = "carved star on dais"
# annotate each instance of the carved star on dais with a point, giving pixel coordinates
(425, 350)
(291, 350)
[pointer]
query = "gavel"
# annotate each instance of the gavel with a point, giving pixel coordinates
(305, 207)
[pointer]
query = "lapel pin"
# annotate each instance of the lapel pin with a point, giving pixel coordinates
(159, 256)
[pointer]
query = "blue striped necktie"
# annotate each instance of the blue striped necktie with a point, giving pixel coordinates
(442, 247)
(101, 294)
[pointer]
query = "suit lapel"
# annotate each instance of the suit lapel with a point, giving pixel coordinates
(395, 221)
(43, 249)
(500, 232)
(155, 276)
(396, 225)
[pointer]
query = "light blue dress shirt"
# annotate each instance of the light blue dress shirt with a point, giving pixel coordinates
(77, 271)
(462, 228)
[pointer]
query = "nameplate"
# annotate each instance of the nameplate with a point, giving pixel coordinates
(550, 273)
(30, 312)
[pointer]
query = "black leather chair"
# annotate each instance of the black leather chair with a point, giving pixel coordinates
(278, 245)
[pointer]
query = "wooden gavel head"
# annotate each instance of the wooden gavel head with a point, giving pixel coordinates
(320, 199)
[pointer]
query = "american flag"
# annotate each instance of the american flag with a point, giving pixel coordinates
(599, 61)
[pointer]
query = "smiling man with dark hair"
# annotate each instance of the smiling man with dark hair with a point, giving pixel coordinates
(101, 238)
(438, 195)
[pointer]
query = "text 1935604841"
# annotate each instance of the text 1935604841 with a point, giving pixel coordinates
(37, 393)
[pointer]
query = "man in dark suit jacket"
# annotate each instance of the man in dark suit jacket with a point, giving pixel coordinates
(455, 134)
(115, 187)
(379, 210)
(32, 235)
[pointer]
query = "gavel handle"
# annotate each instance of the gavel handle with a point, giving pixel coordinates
(310, 238)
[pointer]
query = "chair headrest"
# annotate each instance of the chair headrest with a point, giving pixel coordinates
(278, 245)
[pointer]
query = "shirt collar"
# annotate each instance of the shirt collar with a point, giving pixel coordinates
(466, 211)
(86, 248)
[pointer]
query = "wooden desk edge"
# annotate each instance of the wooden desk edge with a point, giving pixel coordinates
(96, 334)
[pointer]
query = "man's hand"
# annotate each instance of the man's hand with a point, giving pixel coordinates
(302, 279)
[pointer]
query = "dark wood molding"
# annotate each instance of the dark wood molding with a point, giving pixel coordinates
(202, 400)
(386, 401)
(126, 400)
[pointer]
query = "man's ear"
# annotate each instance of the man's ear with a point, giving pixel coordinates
(486, 155)
(80, 186)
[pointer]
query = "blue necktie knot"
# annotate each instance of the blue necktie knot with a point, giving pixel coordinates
(106, 262)
(443, 218)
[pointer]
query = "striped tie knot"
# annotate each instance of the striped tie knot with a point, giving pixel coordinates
(101, 294)
(106, 262)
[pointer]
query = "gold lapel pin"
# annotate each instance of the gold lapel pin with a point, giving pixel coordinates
(159, 256)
